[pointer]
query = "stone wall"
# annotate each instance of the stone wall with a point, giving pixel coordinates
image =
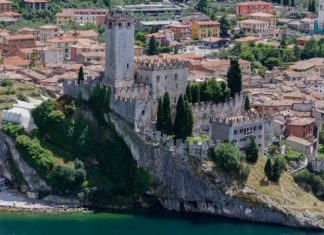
(187, 190)
(202, 112)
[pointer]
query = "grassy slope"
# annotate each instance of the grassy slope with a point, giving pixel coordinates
(286, 192)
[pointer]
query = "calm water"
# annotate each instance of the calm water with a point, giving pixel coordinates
(135, 224)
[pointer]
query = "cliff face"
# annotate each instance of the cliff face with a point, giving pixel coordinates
(185, 189)
(10, 161)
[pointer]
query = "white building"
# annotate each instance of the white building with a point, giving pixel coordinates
(321, 15)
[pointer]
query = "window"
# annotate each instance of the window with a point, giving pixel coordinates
(119, 24)
(127, 66)
(158, 78)
(235, 132)
(175, 77)
(166, 77)
(241, 131)
(255, 128)
(260, 127)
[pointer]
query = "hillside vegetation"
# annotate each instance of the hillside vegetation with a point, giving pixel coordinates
(79, 154)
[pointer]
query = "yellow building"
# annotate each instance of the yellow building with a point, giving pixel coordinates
(204, 29)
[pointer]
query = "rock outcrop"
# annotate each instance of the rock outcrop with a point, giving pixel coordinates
(10, 156)
(185, 190)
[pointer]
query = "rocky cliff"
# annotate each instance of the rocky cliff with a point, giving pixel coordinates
(187, 188)
(12, 166)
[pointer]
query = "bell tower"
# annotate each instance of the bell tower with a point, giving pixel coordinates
(119, 55)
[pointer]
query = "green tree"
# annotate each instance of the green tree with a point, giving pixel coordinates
(312, 6)
(188, 92)
(276, 171)
(247, 104)
(153, 48)
(202, 6)
(284, 41)
(167, 114)
(189, 118)
(225, 26)
(272, 62)
(180, 119)
(195, 93)
(268, 169)
(252, 151)
(80, 75)
(296, 50)
(33, 59)
(159, 120)
(234, 77)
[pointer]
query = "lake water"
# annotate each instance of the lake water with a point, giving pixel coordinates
(161, 223)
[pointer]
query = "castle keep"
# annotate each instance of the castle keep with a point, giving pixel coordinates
(137, 85)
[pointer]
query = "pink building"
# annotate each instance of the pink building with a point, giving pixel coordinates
(247, 8)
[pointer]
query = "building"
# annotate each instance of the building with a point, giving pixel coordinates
(307, 25)
(82, 34)
(256, 28)
(82, 16)
(153, 9)
(212, 42)
(238, 129)
(90, 50)
(48, 32)
(30, 31)
(51, 55)
(10, 44)
(25, 53)
(301, 127)
(204, 29)
(5, 6)
(36, 5)
(162, 75)
(181, 31)
(269, 18)
(223, 66)
(300, 145)
(247, 8)
(162, 37)
(62, 43)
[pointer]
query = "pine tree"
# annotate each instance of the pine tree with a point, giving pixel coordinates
(247, 105)
(296, 50)
(252, 151)
(153, 48)
(180, 120)
(159, 120)
(268, 169)
(80, 75)
(311, 6)
(234, 77)
(167, 128)
(188, 93)
(292, 3)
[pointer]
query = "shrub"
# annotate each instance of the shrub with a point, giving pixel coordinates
(230, 159)
(22, 97)
(6, 82)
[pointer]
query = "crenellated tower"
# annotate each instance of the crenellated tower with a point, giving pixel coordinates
(119, 67)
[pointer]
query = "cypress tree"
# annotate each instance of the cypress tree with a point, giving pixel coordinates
(180, 120)
(189, 118)
(268, 169)
(276, 171)
(159, 120)
(153, 48)
(188, 93)
(167, 128)
(80, 75)
(247, 105)
(195, 93)
(234, 77)
(292, 3)
(252, 151)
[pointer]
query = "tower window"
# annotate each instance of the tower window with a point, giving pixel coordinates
(110, 25)
(127, 66)
(128, 24)
(119, 24)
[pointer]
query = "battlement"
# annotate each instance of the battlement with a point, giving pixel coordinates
(244, 119)
(178, 146)
(157, 63)
(114, 16)
(210, 107)
(135, 92)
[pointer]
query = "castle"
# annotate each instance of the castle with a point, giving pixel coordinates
(137, 84)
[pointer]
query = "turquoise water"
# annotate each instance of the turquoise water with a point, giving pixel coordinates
(135, 224)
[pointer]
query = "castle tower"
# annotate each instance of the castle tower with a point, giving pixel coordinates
(119, 68)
